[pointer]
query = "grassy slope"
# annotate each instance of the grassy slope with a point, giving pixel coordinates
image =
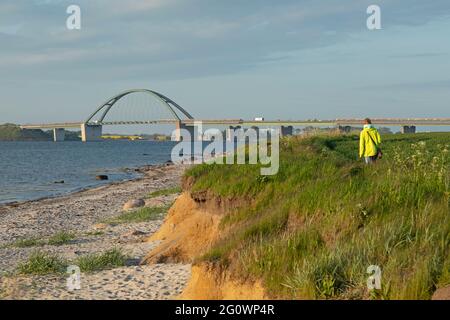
(313, 229)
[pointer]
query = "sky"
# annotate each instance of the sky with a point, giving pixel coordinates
(284, 59)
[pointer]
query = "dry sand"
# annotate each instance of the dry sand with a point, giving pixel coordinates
(81, 213)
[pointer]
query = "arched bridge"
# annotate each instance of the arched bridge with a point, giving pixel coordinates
(143, 106)
(151, 107)
(175, 111)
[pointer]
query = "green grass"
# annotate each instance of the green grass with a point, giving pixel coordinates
(314, 228)
(95, 233)
(27, 243)
(141, 215)
(96, 262)
(58, 239)
(40, 263)
(61, 238)
(165, 192)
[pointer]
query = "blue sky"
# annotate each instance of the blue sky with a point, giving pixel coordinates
(227, 59)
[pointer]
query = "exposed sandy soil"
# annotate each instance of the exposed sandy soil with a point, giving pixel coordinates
(80, 214)
(209, 283)
(442, 294)
(187, 233)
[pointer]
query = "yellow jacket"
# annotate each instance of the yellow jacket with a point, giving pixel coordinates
(369, 142)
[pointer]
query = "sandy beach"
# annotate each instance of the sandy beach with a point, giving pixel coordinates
(83, 214)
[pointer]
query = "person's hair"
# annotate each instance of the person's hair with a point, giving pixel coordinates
(368, 121)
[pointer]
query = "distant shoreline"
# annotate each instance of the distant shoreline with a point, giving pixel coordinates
(12, 132)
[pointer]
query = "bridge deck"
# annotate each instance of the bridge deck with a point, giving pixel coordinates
(235, 122)
(52, 125)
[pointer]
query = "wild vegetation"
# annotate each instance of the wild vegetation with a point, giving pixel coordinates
(312, 230)
(95, 262)
(140, 215)
(58, 239)
(164, 192)
(41, 263)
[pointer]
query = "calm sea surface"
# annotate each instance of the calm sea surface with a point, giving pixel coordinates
(29, 170)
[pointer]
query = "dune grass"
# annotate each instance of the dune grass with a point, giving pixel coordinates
(58, 239)
(27, 243)
(107, 260)
(61, 238)
(41, 263)
(95, 233)
(165, 192)
(141, 215)
(312, 230)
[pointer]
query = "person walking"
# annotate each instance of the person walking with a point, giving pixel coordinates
(369, 143)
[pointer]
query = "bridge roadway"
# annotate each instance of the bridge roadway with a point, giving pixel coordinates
(92, 131)
(315, 122)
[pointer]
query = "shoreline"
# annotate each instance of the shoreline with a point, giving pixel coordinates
(84, 213)
(147, 172)
(140, 174)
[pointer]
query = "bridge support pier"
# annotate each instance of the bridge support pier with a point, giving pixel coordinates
(91, 132)
(408, 129)
(286, 131)
(178, 137)
(59, 134)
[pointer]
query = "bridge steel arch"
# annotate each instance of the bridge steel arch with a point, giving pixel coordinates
(168, 103)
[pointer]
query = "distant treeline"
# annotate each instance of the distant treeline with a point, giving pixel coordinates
(156, 137)
(12, 132)
(142, 136)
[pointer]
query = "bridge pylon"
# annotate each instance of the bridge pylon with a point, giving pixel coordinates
(59, 134)
(91, 132)
(179, 127)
